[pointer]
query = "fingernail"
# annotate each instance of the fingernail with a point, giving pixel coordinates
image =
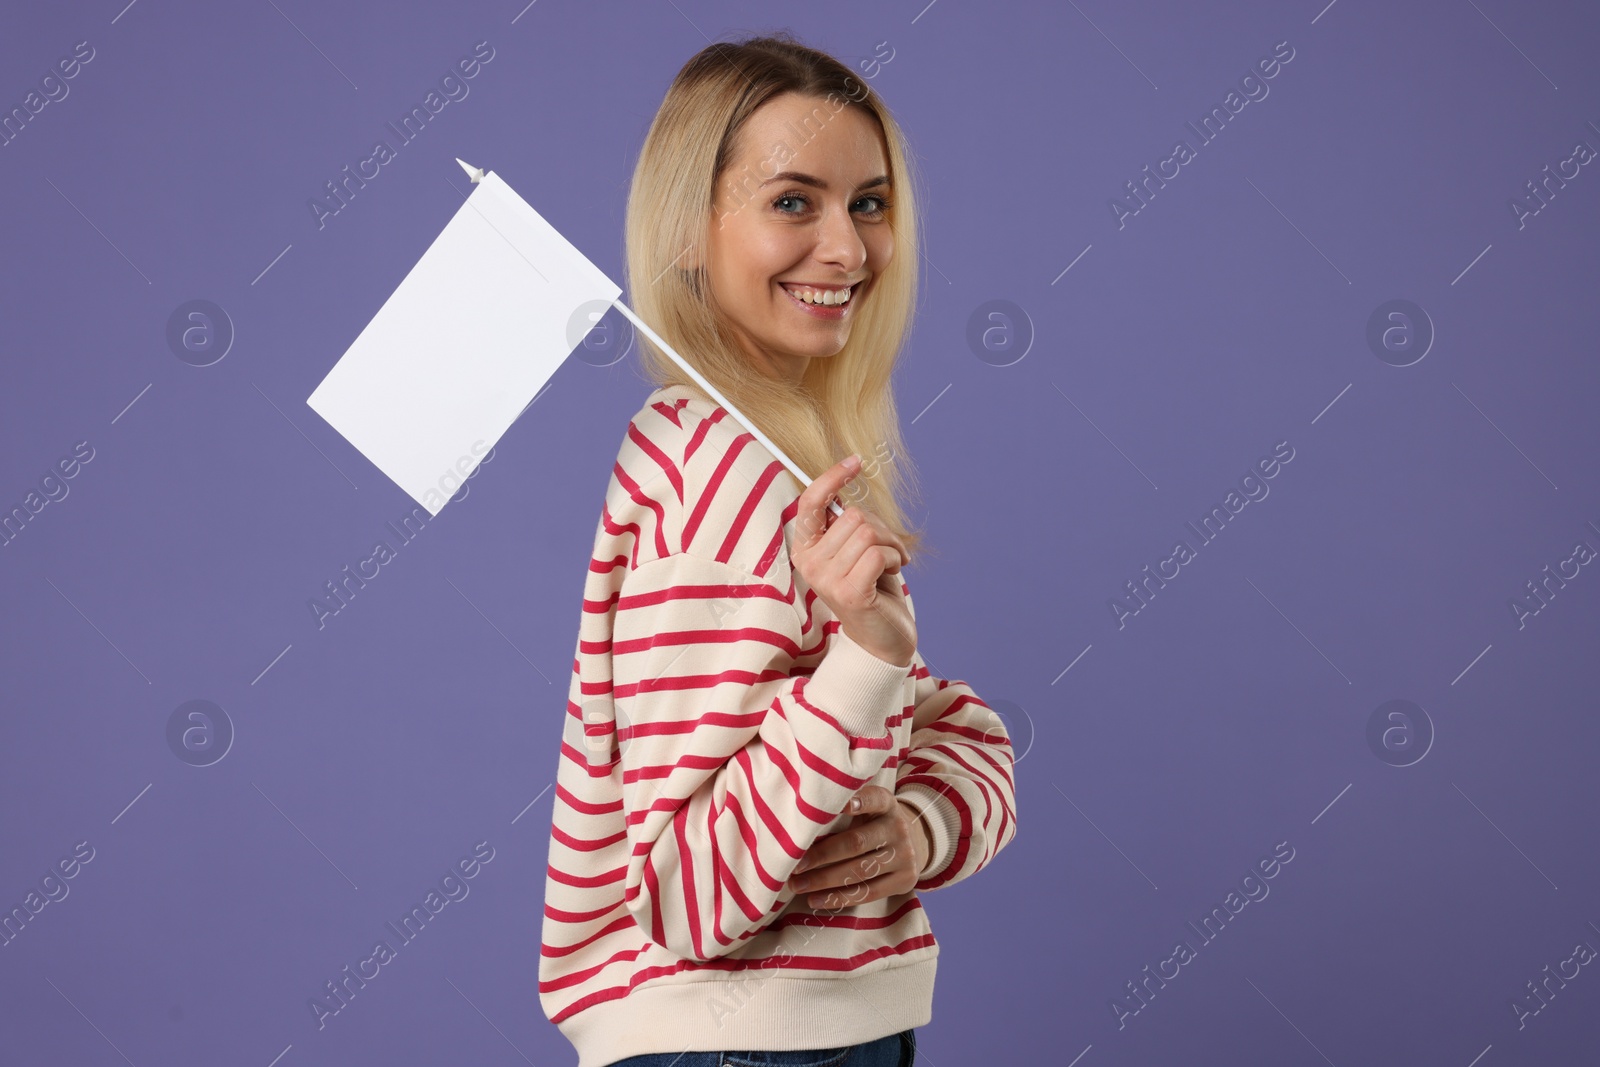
(855, 803)
(853, 460)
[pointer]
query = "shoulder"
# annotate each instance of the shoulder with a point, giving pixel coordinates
(690, 478)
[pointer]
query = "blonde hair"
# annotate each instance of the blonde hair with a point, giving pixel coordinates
(845, 403)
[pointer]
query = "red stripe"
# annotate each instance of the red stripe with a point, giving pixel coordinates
(668, 638)
(597, 566)
(752, 852)
(712, 488)
(651, 449)
(671, 412)
(686, 591)
(573, 917)
(696, 438)
(583, 844)
(939, 770)
(683, 682)
(652, 892)
(691, 900)
(716, 885)
(851, 963)
(770, 556)
(588, 972)
(769, 818)
(742, 758)
(980, 748)
(623, 922)
(986, 788)
(723, 875)
(737, 720)
(742, 519)
(1003, 774)
(640, 497)
(963, 836)
(580, 881)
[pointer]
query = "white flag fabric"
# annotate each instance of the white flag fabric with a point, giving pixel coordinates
(470, 336)
(494, 306)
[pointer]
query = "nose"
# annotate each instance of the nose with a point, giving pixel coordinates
(838, 242)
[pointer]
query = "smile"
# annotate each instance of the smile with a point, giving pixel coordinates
(820, 302)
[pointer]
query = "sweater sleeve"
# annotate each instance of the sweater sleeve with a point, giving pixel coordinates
(958, 774)
(731, 766)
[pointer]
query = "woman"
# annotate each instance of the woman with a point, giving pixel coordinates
(758, 773)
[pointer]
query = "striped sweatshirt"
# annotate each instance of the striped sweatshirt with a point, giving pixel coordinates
(718, 722)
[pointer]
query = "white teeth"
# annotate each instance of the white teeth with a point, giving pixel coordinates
(825, 297)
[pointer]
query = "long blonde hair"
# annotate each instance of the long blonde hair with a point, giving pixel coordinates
(845, 403)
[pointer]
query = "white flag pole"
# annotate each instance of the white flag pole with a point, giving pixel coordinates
(719, 398)
(711, 390)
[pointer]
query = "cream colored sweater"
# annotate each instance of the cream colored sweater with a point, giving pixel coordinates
(718, 722)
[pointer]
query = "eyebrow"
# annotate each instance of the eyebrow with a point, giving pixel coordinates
(817, 183)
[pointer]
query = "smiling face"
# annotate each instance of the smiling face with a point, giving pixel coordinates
(800, 209)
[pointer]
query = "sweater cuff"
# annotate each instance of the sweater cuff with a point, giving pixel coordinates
(857, 688)
(942, 820)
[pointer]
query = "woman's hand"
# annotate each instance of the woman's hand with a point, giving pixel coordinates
(875, 857)
(852, 564)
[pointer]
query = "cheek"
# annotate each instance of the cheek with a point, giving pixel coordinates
(772, 251)
(880, 250)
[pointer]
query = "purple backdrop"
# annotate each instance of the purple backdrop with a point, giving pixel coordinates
(1372, 276)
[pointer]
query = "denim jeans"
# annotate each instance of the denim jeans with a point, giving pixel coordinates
(896, 1050)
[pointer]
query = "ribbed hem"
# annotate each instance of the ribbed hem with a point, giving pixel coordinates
(750, 1010)
(942, 819)
(856, 687)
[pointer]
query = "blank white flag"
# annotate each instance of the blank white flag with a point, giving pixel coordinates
(471, 334)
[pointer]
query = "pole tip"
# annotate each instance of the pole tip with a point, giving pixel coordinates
(472, 172)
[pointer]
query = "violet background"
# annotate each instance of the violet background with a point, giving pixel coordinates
(1229, 715)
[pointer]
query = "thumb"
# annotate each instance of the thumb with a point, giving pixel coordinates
(872, 800)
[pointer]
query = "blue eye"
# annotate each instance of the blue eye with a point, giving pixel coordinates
(883, 204)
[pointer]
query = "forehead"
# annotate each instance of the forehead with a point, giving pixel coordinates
(806, 133)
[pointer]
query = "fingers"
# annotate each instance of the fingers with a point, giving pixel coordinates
(852, 534)
(847, 566)
(860, 838)
(863, 863)
(858, 562)
(884, 885)
(875, 800)
(902, 556)
(871, 572)
(886, 536)
(872, 859)
(811, 513)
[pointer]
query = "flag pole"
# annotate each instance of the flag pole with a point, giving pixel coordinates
(711, 391)
(717, 396)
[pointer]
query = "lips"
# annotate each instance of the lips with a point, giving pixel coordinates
(793, 288)
(819, 288)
